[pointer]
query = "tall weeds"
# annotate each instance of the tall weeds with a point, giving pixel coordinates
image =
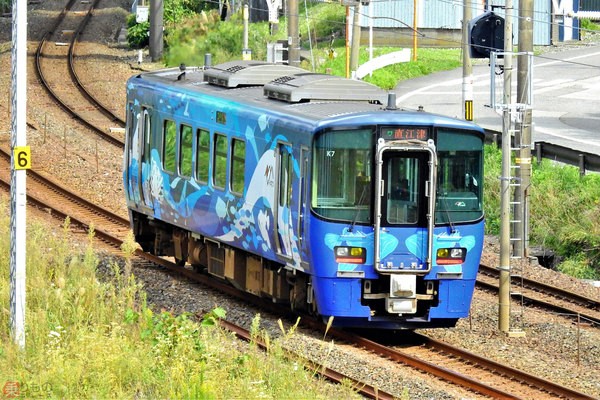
(91, 338)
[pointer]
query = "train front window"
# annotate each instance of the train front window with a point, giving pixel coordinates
(459, 177)
(402, 175)
(342, 175)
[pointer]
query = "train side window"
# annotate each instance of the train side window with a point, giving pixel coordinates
(185, 150)
(220, 161)
(238, 165)
(169, 145)
(146, 137)
(285, 177)
(202, 155)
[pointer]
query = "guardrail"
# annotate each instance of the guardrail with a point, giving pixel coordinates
(583, 160)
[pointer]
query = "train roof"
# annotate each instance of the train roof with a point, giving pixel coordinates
(287, 89)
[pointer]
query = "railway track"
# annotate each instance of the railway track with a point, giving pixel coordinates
(550, 298)
(475, 373)
(54, 61)
(48, 195)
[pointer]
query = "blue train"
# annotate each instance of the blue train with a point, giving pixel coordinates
(309, 189)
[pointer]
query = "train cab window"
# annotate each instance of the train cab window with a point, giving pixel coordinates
(220, 161)
(459, 177)
(169, 145)
(341, 186)
(185, 150)
(402, 189)
(238, 165)
(202, 155)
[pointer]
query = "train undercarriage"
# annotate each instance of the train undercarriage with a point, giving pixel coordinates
(245, 271)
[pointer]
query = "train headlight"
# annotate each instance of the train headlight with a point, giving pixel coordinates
(350, 255)
(448, 256)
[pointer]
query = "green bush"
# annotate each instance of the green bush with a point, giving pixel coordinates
(564, 210)
(137, 34)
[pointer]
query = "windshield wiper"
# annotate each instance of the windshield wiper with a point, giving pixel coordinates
(358, 210)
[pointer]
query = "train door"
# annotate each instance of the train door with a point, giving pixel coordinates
(132, 160)
(303, 210)
(145, 157)
(406, 178)
(285, 236)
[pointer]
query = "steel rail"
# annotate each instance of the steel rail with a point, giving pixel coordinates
(561, 294)
(54, 95)
(74, 40)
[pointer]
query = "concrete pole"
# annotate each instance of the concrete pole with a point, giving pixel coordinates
(293, 34)
(523, 97)
(18, 182)
(371, 31)
(504, 268)
(467, 67)
(246, 52)
(156, 29)
(355, 38)
(347, 41)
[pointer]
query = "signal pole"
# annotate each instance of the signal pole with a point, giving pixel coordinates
(504, 268)
(20, 157)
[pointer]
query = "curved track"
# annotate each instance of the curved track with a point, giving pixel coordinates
(54, 61)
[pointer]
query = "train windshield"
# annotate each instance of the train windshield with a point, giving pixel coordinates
(459, 177)
(342, 179)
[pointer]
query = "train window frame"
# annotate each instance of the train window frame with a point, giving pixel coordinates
(219, 162)
(146, 133)
(169, 155)
(462, 203)
(186, 149)
(202, 155)
(237, 178)
(351, 201)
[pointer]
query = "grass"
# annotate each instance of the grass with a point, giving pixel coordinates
(564, 211)
(92, 338)
(189, 40)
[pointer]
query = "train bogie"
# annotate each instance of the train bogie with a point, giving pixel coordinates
(288, 189)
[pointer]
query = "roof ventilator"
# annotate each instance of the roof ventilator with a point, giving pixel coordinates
(305, 87)
(247, 73)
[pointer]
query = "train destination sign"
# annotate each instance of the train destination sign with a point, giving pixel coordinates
(407, 133)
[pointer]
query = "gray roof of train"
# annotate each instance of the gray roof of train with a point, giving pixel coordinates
(194, 80)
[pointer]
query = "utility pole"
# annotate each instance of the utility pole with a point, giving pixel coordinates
(20, 160)
(524, 127)
(293, 34)
(467, 67)
(156, 29)
(505, 179)
(246, 52)
(355, 38)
